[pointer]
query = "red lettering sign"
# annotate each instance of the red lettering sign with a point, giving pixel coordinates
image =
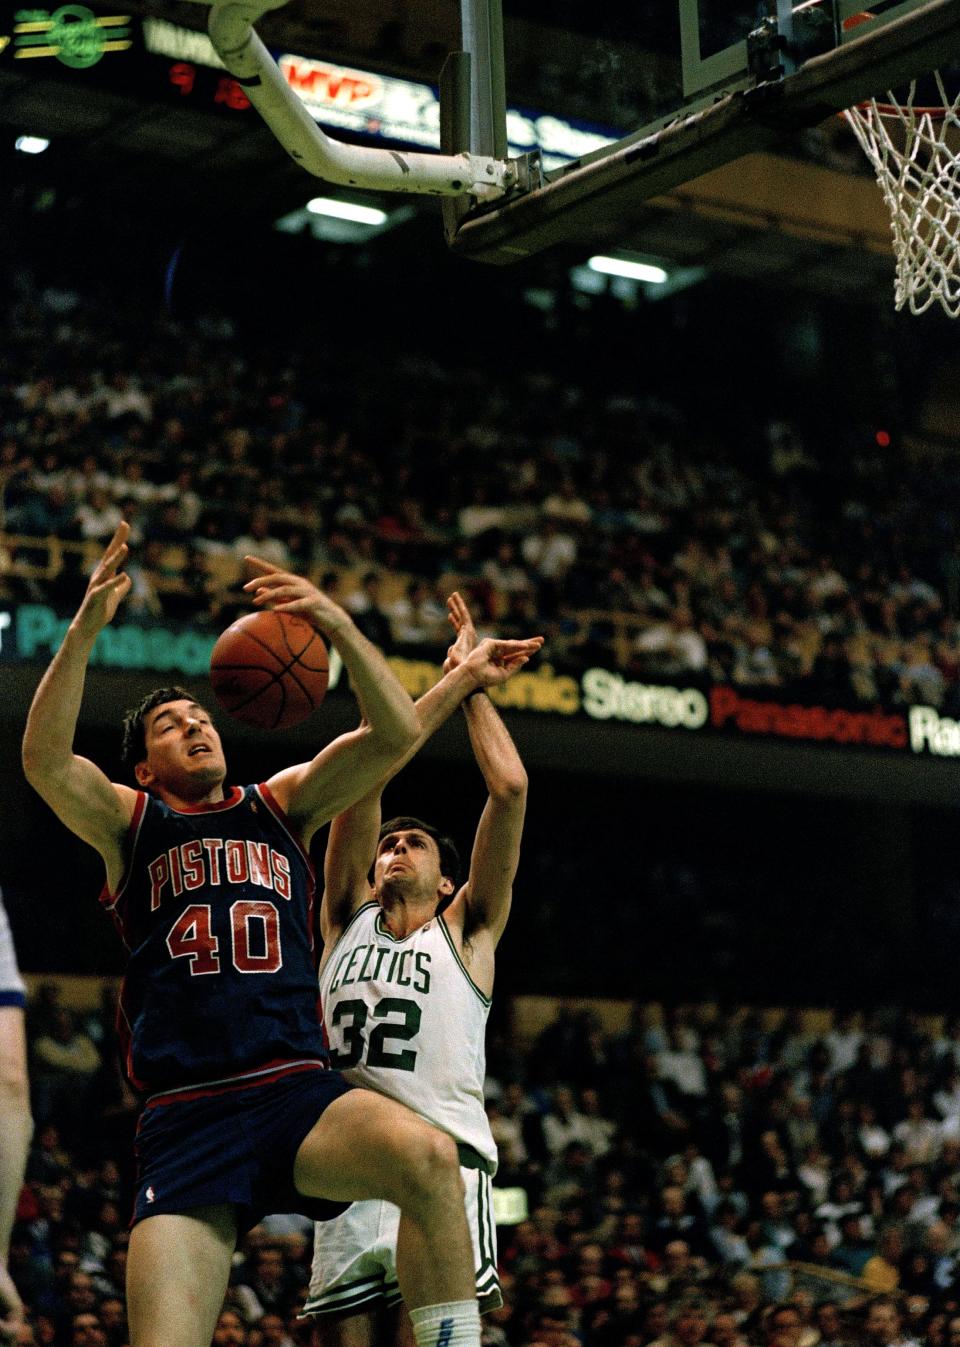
(876, 728)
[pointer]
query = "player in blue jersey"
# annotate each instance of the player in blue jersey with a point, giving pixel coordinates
(211, 888)
(16, 1125)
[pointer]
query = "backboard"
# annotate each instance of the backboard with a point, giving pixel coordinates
(746, 83)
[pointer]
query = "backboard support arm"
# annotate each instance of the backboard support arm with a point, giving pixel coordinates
(484, 177)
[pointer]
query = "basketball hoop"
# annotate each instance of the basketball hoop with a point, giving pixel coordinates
(915, 153)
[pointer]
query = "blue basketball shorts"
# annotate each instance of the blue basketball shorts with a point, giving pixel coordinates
(236, 1148)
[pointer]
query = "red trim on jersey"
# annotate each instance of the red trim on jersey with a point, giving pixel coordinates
(125, 1031)
(234, 798)
(108, 899)
(277, 810)
(273, 804)
(264, 1075)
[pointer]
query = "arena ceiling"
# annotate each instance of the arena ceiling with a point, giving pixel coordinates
(120, 144)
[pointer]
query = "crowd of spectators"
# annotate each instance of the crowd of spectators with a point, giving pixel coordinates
(700, 1176)
(627, 532)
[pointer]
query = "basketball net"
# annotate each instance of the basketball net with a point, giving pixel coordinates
(919, 175)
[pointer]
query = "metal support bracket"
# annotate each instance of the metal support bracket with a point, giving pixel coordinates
(230, 26)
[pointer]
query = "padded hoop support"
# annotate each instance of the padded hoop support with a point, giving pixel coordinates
(230, 26)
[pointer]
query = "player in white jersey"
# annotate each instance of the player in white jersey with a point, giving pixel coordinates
(406, 981)
(16, 1125)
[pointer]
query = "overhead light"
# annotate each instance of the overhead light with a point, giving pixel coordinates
(346, 210)
(631, 271)
(31, 144)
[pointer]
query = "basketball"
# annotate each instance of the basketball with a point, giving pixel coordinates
(269, 670)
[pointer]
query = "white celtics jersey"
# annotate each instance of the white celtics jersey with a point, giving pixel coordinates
(404, 1018)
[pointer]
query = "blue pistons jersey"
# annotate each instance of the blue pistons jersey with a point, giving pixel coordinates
(216, 909)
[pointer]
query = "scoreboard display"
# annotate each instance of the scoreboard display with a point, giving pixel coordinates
(144, 58)
(151, 59)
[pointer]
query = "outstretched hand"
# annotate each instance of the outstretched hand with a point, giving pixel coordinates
(284, 592)
(108, 585)
(493, 661)
(490, 661)
(458, 615)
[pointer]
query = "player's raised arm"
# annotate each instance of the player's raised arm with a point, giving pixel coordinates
(313, 792)
(76, 789)
(471, 666)
(484, 901)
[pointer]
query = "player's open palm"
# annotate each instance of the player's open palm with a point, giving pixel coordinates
(493, 661)
(284, 592)
(108, 586)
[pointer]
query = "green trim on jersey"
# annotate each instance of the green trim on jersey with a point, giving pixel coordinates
(380, 929)
(487, 1000)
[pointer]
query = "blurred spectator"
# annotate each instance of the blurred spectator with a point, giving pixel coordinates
(881, 1271)
(673, 647)
(416, 618)
(503, 572)
(883, 1324)
(367, 608)
(918, 1134)
(551, 554)
(97, 516)
(258, 541)
(230, 1331)
(65, 1062)
(268, 1285)
(563, 1122)
(87, 1331)
(725, 1333)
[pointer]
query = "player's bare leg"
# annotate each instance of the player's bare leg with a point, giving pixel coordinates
(177, 1272)
(383, 1328)
(367, 1146)
(355, 1330)
(16, 1129)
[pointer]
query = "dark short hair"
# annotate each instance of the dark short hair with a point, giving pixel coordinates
(449, 856)
(134, 748)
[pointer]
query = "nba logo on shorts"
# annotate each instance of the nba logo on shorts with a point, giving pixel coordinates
(150, 1195)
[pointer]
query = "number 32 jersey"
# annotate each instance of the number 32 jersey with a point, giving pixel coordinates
(405, 1019)
(216, 911)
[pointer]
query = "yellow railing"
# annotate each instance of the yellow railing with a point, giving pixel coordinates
(43, 559)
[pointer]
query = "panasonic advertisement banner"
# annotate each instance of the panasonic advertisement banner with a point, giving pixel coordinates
(31, 633)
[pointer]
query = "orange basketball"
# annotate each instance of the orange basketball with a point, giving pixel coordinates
(269, 670)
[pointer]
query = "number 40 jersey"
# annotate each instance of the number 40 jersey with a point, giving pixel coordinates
(216, 911)
(404, 1018)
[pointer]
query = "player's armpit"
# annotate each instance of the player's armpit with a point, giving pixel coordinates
(476, 945)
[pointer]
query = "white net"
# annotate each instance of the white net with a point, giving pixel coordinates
(914, 152)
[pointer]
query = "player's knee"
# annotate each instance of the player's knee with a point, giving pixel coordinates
(432, 1170)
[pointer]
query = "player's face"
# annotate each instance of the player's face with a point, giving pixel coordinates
(183, 749)
(408, 864)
